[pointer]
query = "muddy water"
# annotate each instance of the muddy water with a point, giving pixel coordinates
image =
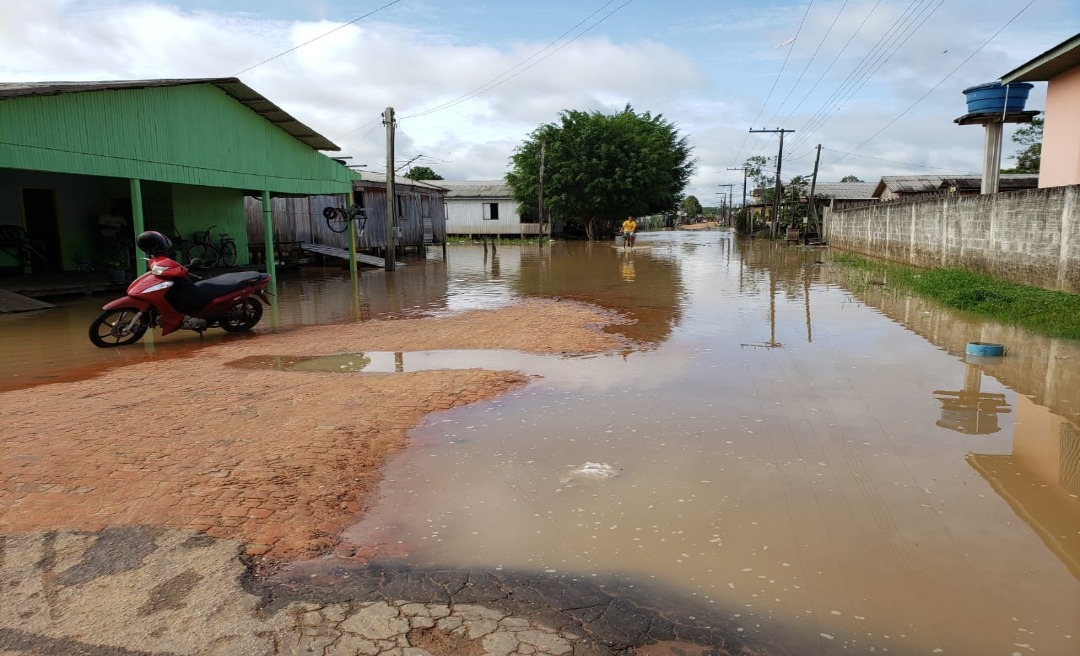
(806, 462)
(803, 457)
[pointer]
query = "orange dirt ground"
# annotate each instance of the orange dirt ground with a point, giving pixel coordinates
(280, 460)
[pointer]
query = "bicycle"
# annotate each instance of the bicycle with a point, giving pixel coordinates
(337, 218)
(210, 252)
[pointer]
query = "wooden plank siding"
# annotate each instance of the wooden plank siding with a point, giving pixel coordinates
(301, 219)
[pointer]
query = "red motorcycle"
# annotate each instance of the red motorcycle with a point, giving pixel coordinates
(170, 297)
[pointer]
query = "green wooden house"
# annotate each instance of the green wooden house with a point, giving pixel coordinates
(177, 156)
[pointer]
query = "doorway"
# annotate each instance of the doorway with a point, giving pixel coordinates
(42, 228)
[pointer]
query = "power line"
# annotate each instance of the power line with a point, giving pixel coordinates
(809, 62)
(892, 161)
(903, 27)
(776, 80)
(339, 27)
(506, 75)
(835, 59)
(951, 73)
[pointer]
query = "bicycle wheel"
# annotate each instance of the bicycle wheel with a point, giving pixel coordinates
(205, 253)
(228, 253)
(336, 219)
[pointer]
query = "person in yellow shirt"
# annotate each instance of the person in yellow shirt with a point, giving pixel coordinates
(629, 232)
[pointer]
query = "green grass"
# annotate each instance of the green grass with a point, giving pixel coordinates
(1042, 311)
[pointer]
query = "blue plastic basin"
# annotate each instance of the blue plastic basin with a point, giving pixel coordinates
(996, 98)
(983, 348)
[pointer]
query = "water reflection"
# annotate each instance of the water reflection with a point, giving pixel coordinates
(1040, 478)
(805, 491)
(970, 410)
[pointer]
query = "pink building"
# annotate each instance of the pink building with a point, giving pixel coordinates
(1060, 68)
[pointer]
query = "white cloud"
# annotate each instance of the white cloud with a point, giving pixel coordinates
(708, 68)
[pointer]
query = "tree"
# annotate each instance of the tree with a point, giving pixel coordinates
(422, 173)
(755, 170)
(691, 207)
(599, 168)
(1030, 137)
(850, 178)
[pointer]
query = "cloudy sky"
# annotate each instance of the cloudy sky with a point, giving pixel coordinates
(876, 82)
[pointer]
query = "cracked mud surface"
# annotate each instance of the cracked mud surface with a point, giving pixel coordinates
(142, 590)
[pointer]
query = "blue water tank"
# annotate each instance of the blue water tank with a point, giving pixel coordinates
(997, 98)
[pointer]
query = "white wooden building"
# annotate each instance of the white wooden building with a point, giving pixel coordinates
(484, 208)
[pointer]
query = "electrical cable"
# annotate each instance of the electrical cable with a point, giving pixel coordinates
(505, 76)
(297, 47)
(887, 45)
(951, 73)
(808, 63)
(775, 81)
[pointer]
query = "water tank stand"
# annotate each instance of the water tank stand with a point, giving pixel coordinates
(992, 148)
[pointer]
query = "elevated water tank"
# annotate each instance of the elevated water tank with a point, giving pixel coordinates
(997, 98)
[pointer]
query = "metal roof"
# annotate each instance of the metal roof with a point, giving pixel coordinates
(369, 179)
(1057, 60)
(1006, 182)
(476, 189)
(845, 190)
(232, 86)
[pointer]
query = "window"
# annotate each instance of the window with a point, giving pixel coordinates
(491, 211)
(401, 206)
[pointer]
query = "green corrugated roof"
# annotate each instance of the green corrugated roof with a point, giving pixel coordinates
(232, 86)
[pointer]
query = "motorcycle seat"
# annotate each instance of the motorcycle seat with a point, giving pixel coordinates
(227, 282)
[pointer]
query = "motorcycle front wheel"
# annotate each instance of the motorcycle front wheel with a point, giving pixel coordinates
(243, 316)
(114, 327)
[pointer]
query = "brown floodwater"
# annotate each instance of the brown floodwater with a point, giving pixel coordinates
(804, 458)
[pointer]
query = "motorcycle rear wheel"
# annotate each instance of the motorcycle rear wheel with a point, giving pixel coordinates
(243, 316)
(111, 328)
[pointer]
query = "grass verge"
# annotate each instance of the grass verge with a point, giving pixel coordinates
(1042, 311)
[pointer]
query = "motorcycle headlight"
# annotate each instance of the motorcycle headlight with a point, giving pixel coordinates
(158, 287)
(158, 269)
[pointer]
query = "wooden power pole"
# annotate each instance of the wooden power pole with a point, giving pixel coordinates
(391, 199)
(779, 163)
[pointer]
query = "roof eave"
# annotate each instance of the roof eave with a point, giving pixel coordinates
(1055, 61)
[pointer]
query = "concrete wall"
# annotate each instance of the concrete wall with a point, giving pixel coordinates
(1060, 164)
(1031, 237)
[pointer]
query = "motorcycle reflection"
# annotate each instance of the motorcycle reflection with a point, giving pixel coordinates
(168, 296)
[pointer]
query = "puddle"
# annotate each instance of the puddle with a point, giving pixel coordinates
(401, 362)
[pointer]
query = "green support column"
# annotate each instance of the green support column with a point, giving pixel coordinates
(268, 238)
(138, 222)
(352, 236)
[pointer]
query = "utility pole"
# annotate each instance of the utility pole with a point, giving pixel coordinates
(749, 217)
(543, 148)
(729, 186)
(813, 185)
(391, 198)
(779, 163)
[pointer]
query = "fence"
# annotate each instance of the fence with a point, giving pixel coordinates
(1031, 237)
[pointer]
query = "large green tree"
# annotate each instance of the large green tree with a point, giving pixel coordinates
(691, 206)
(422, 173)
(601, 168)
(1030, 137)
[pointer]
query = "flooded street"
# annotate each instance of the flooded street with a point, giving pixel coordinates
(799, 458)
